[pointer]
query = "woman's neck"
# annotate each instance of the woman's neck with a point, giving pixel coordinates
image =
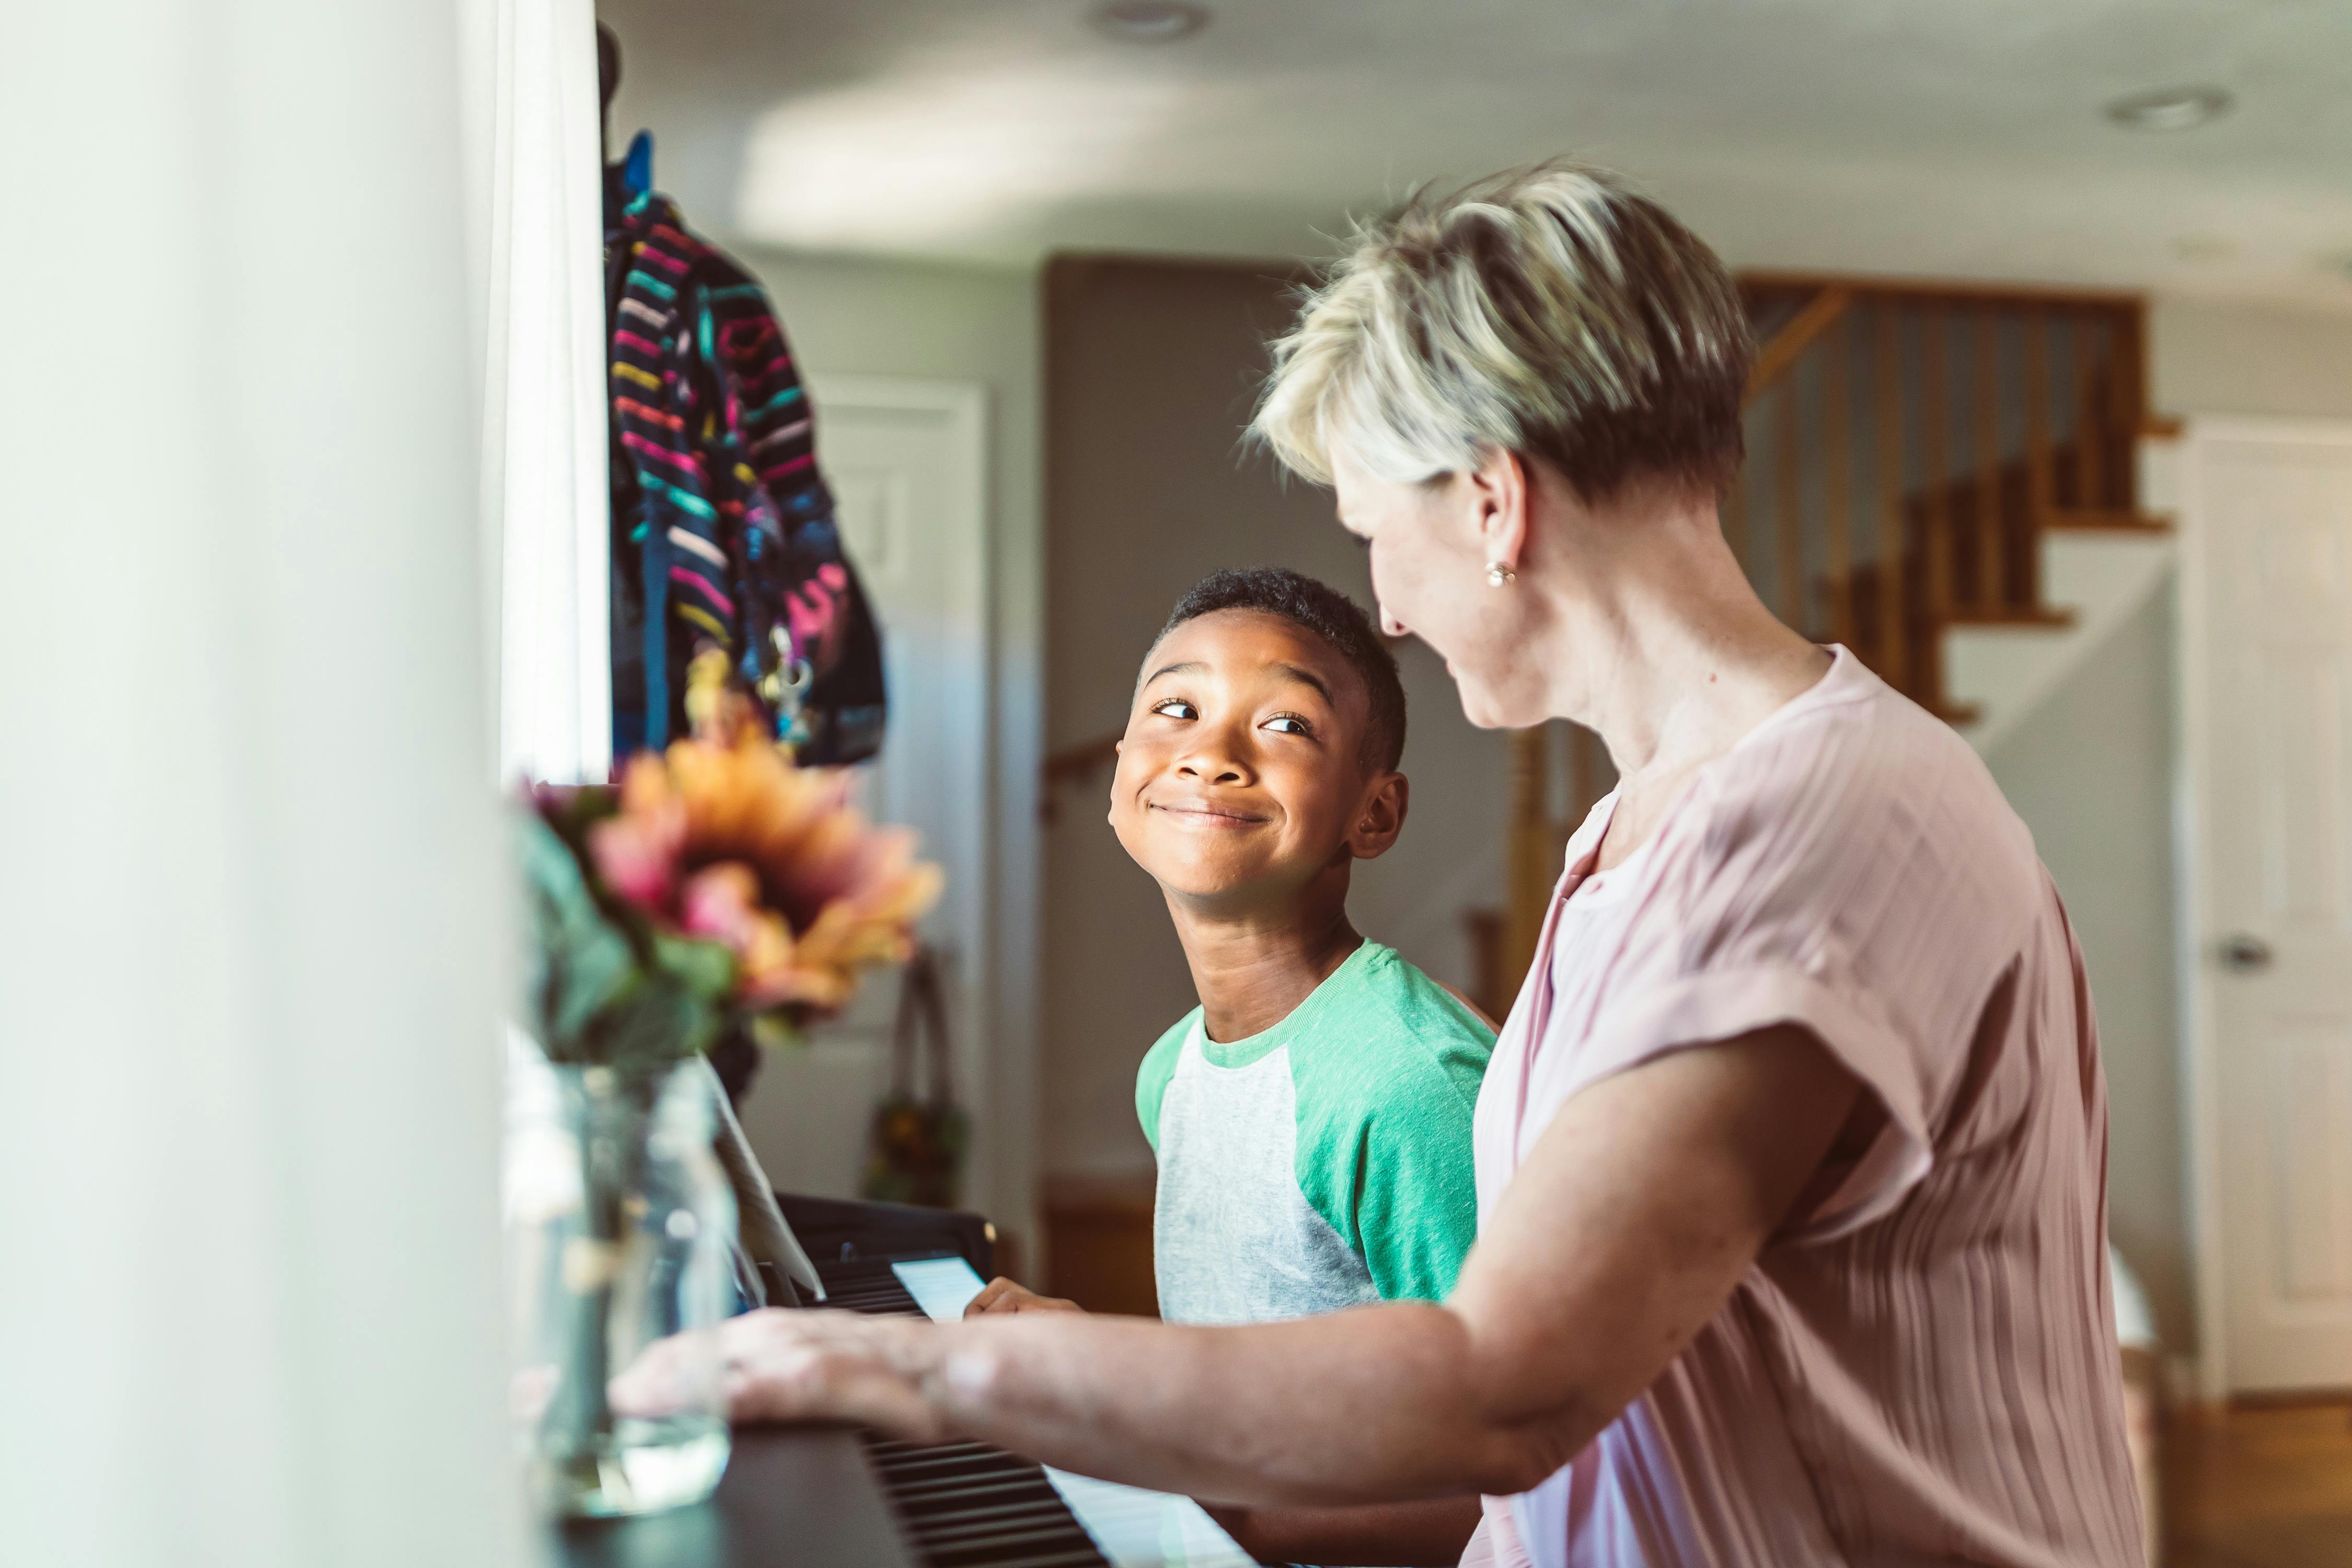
(1660, 646)
(1252, 970)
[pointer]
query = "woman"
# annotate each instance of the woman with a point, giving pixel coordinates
(1791, 1158)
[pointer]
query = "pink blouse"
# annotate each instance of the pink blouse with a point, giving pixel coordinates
(1924, 1369)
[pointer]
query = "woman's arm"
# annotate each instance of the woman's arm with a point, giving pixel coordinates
(1627, 1227)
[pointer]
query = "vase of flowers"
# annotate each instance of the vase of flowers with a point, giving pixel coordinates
(717, 887)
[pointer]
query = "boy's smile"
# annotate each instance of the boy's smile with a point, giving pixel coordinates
(1243, 777)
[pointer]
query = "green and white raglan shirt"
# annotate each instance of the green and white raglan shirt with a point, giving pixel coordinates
(1324, 1163)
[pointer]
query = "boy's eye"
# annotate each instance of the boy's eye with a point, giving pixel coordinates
(1175, 708)
(1289, 724)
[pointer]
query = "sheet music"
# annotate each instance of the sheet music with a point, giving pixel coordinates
(1132, 1526)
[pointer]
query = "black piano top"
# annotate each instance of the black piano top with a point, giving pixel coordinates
(791, 1496)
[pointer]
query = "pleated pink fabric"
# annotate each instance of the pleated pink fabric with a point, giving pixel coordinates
(1924, 1370)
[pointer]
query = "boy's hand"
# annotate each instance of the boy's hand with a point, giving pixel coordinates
(1002, 1295)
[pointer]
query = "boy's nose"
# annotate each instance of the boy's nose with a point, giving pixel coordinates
(1213, 767)
(1215, 757)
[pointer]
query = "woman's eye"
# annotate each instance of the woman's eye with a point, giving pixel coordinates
(1289, 724)
(1176, 708)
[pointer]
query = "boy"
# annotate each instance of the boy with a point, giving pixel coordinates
(1311, 1117)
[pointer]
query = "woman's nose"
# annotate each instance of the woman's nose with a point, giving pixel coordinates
(1391, 625)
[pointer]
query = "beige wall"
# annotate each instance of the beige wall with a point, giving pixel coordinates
(2093, 774)
(2209, 357)
(1151, 368)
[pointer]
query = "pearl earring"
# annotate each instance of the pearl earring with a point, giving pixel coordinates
(1498, 574)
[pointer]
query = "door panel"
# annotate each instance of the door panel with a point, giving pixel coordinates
(2273, 526)
(2311, 1115)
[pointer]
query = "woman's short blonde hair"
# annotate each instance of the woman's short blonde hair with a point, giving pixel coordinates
(1550, 311)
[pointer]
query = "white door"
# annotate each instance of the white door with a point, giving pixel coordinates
(907, 461)
(2267, 667)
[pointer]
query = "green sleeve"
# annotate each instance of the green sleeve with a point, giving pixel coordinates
(1151, 1079)
(1383, 1151)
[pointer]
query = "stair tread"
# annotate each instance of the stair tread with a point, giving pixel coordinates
(2039, 617)
(2088, 519)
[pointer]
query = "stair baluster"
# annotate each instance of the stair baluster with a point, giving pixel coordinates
(1990, 522)
(1893, 597)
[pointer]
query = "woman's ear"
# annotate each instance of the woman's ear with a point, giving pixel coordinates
(1381, 817)
(1500, 488)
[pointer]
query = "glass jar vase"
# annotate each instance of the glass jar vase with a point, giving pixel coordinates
(618, 1219)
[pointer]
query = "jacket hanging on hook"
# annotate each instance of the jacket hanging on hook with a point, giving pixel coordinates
(723, 530)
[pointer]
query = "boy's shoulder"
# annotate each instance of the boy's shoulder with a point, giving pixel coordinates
(1391, 1002)
(1151, 1079)
(1389, 1030)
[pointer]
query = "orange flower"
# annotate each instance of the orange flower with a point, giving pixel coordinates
(735, 844)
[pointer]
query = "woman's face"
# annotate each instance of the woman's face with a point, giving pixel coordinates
(1428, 575)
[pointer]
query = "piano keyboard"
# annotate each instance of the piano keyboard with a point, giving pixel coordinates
(967, 1505)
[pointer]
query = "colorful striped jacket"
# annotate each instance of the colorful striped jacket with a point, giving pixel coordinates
(723, 531)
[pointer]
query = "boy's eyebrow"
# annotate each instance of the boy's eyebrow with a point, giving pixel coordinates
(1299, 673)
(1307, 677)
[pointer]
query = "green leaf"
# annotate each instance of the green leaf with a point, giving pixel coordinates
(659, 1022)
(704, 969)
(576, 964)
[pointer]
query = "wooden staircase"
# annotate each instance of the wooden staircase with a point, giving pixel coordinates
(1909, 445)
(1912, 447)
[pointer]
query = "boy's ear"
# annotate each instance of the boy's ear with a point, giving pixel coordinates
(1380, 818)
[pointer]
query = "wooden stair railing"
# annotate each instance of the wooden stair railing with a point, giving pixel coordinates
(1992, 415)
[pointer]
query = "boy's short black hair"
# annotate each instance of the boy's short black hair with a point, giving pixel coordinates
(1330, 615)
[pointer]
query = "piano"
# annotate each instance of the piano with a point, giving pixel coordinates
(810, 1496)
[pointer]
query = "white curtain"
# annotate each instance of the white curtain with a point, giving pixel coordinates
(536, 174)
(251, 875)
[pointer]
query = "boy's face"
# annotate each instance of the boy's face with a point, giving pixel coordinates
(1242, 776)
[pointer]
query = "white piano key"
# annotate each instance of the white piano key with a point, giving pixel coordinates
(1134, 1528)
(1140, 1528)
(941, 1287)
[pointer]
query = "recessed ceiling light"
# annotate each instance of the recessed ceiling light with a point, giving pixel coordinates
(2170, 108)
(1150, 21)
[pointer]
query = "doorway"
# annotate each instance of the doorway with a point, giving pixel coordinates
(2267, 650)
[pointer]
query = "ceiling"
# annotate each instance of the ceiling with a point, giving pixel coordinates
(1941, 137)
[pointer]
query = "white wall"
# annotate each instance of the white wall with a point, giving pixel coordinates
(2091, 774)
(251, 944)
(859, 316)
